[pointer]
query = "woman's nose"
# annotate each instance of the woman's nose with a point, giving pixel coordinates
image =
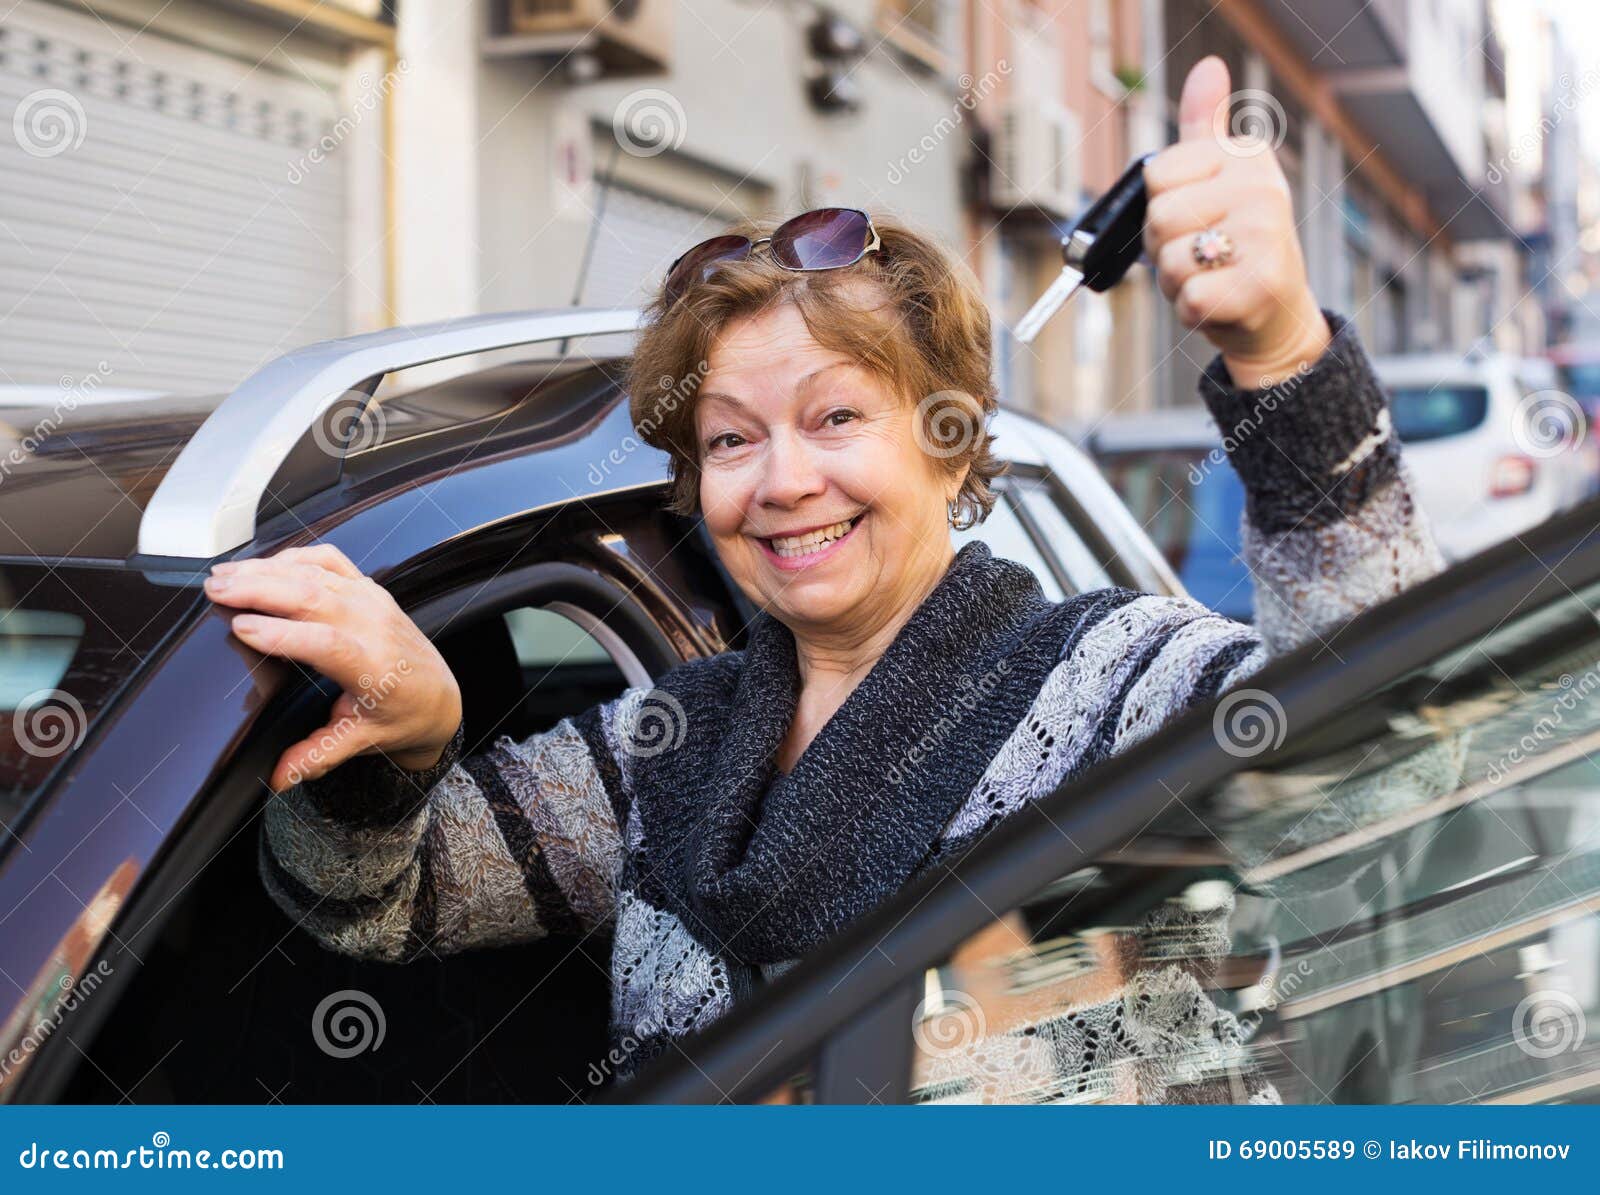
(789, 472)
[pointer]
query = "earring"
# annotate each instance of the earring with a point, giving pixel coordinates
(956, 512)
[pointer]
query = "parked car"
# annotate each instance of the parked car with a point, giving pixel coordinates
(1170, 471)
(1399, 880)
(514, 515)
(1494, 446)
(1578, 375)
(1494, 443)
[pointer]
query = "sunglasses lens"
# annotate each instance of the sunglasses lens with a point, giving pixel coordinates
(822, 240)
(697, 264)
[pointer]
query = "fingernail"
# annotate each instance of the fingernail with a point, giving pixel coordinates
(246, 624)
(226, 566)
(217, 584)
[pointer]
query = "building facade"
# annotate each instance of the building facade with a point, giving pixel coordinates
(192, 188)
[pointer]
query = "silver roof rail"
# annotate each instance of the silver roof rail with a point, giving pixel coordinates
(206, 504)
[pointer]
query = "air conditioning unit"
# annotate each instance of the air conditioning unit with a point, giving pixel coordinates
(625, 37)
(1037, 159)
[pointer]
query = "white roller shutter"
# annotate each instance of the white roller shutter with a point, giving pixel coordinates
(159, 208)
(640, 235)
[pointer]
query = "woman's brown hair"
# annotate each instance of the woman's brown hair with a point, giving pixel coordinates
(930, 342)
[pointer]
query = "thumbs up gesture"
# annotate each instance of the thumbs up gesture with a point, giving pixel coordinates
(1220, 229)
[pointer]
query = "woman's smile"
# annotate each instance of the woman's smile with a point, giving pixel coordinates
(804, 549)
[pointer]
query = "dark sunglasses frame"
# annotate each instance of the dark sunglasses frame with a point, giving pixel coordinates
(790, 247)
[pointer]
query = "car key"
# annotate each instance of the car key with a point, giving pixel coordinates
(1106, 240)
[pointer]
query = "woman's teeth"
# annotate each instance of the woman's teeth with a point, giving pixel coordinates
(811, 541)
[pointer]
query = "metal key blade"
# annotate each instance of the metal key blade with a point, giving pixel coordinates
(1048, 304)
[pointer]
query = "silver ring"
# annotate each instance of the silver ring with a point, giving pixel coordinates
(1212, 248)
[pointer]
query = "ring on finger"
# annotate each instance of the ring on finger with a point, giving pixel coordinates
(1212, 248)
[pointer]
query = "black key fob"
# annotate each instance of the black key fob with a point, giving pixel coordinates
(1108, 238)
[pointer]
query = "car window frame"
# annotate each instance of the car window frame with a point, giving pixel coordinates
(823, 1007)
(225, 805)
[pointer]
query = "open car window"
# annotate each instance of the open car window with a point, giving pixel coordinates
(1399, 904)
(232, 1005)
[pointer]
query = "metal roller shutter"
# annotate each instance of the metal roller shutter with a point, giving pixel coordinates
(639, 237)
(150, 214)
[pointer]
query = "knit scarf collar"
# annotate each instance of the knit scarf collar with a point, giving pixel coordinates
(768, 865)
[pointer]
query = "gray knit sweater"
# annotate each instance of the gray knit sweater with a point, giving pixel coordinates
(587, 829)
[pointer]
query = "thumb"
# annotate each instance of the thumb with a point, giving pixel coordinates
(1202, 109)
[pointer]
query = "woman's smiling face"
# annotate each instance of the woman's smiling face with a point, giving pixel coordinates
(820, 501)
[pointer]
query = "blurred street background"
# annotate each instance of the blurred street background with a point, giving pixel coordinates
(192, 188)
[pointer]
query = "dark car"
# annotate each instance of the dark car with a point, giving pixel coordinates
(508, 506)
(1381, 859)
(1392, 837)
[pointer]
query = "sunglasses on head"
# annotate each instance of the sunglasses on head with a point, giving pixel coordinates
(824, 239)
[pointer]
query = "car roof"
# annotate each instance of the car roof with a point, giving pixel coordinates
(1456, 368)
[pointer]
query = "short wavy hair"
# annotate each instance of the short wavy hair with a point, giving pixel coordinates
(930, 342)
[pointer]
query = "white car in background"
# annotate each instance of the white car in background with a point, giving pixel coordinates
(1493, 443)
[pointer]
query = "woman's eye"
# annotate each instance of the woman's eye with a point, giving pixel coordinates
(838, 418)
(724, 440)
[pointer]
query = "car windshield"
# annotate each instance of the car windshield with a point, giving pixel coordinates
(1189, 501)
(1424, 413)
(69, 638)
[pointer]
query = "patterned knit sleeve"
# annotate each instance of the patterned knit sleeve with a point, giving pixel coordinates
(1330, 524)
(1330, 528)
(510, 844)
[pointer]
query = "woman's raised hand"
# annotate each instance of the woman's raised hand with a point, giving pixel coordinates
(1258, 308)
(313, 606)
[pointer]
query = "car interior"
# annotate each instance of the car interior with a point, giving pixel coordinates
(220, 1010)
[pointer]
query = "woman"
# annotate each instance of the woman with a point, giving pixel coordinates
(896, 699)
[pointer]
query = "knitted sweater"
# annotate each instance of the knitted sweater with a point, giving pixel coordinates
(658, 817)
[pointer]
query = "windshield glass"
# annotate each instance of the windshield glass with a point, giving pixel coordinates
(1433, 412)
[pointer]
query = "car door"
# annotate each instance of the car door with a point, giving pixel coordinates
(214, 996)
(1370, 876)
